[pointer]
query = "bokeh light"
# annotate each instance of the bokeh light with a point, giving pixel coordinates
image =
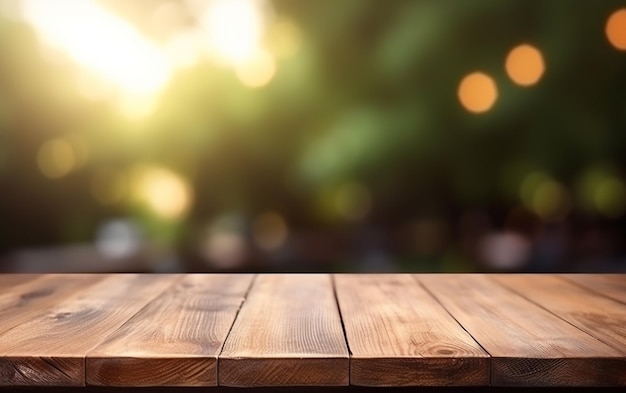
(184, 48)
(508, 251)
(600, 189)
(118, 238)
(610, 197)
(284, 38)
(551, 201)
(263, 134)
(270, 231)
(616, 29)
(477, 92)
(166, 193)
(56, 158)
(257, 71)
(223, 244)
(545, 196)
(525, 65)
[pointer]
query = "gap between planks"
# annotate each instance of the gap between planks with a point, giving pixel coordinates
(175, 340)
(419, 281)
(245, 297)
(175, 281)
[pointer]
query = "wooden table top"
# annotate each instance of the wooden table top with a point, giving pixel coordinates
(377, 330)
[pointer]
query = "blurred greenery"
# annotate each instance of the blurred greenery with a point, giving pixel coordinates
(357, 140)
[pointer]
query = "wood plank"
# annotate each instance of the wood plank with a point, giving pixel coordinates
(175, 340)
(7, 281)
(609, 285)
(399, 335)
(288, 333)
(20, 303)
(50, 348)
(529, 345)
(601, 317)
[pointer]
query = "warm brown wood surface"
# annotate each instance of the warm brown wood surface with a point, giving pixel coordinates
(50, 348)
(175, 340)
(8, 281)
(22, 299)
(601, 317)
(399, 335)
(382, 330)
(529, 345)
(288, 332)
(609, 285)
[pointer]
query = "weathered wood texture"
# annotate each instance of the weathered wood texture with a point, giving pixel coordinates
(609, 285)
(175, 340)
(399, 335)
(601, 317)
(50, 348)
(288, 332)
(529, 345)
(291, 331)
(27, 298)
(7, 281)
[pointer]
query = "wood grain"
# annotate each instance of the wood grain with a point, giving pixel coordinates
(609, 285)
(175, 340)
(7, 281)
(288, 333)
(50, 348)
(529, 345)
(399, 335)
(26, 299)
(601, 317)
(133, 330)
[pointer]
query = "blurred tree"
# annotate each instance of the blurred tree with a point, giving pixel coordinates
(367, 97)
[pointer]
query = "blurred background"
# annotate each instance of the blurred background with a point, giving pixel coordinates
(353, 135)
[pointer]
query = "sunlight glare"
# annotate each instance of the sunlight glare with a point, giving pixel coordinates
(101, 42)
(234, 28)
(184, 48)
(258, 71)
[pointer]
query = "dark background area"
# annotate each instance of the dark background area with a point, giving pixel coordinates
(164, 135)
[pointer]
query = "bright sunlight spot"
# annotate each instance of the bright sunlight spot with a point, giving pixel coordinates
(137, 107)
(100, 42)
(234, 28)
(258, 71)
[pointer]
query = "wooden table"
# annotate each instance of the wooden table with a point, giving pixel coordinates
(312, 330)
